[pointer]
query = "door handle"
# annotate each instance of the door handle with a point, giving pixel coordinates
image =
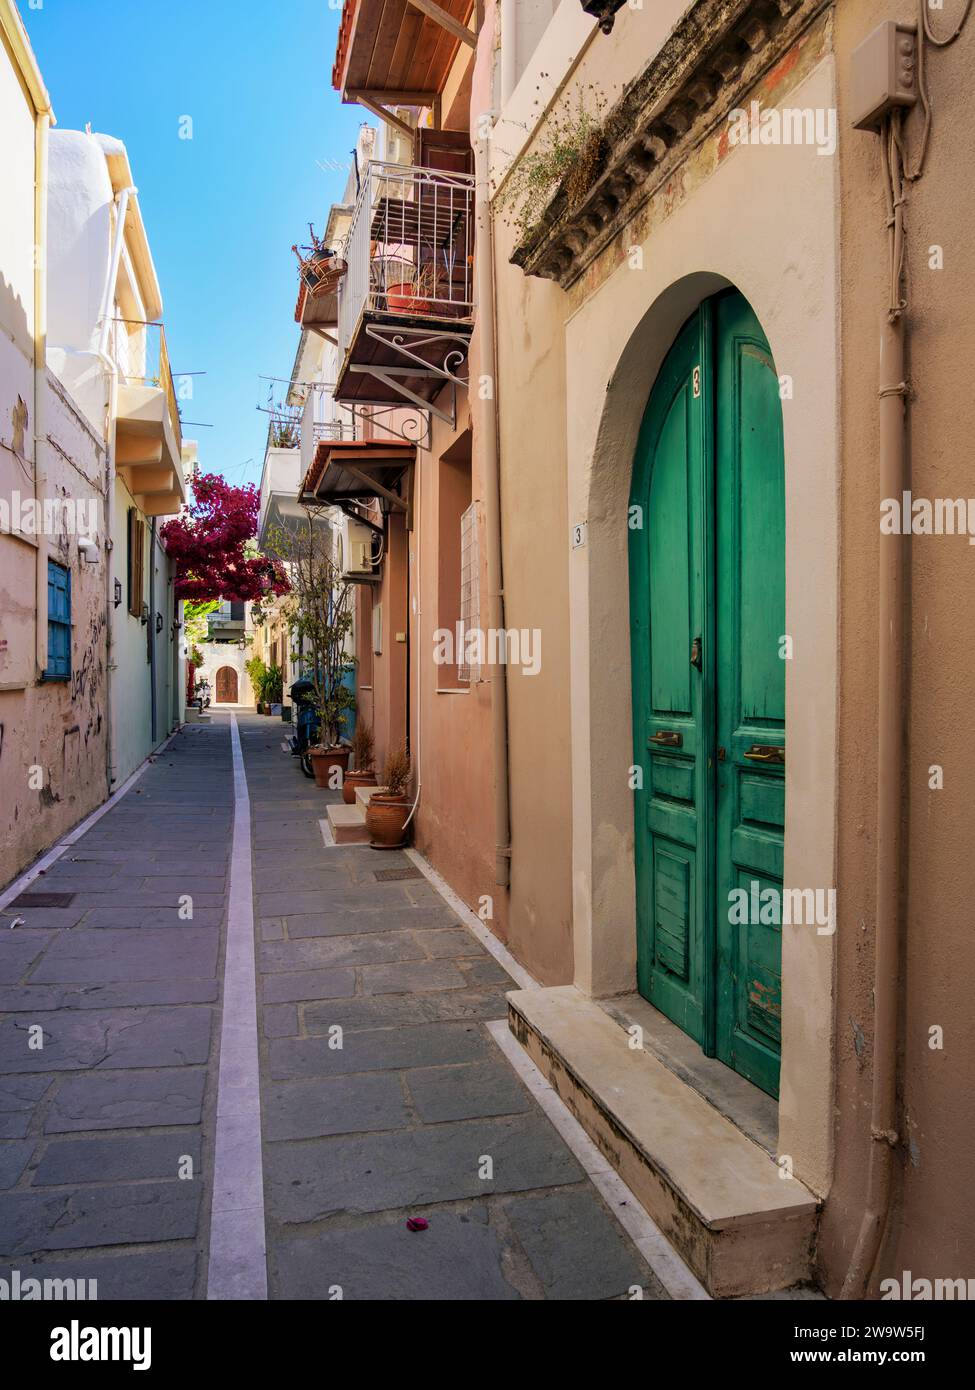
(670, 738)
(766, 753)
(697, 660)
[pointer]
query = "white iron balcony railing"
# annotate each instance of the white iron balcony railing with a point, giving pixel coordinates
(337, 430)
(410, 247)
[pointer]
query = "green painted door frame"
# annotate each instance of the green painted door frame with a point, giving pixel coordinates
(707, 603)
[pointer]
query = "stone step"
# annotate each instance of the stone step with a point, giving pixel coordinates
(363, 796)
(718, 1197)
(347, 824)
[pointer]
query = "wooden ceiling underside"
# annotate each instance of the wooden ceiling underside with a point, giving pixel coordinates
(398, 49)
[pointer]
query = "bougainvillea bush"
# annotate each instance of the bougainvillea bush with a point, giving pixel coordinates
(211, 543)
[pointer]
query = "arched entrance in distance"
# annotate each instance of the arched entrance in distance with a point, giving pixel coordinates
(226, 686)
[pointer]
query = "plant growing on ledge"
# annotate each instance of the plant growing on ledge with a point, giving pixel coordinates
(569, 153)
(211, 545)
(322, 625)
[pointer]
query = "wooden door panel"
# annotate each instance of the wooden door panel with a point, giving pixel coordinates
(666, 565)
(750, 795)
(226, 686)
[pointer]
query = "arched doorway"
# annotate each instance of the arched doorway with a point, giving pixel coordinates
(226, 686)
(707, 621)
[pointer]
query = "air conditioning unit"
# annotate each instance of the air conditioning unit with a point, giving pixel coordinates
(354, 547)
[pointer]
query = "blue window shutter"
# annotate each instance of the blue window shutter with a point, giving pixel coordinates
(58, 621)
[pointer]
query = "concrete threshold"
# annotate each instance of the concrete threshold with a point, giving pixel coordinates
(742, 1224)
(347, 824)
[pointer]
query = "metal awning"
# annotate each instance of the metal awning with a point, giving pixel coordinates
(348, 471)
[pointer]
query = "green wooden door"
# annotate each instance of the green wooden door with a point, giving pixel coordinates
(707, 602)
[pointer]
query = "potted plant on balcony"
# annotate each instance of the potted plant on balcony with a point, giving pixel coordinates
(362, 772)
(415, 296)
(322, 624)
(389, 809)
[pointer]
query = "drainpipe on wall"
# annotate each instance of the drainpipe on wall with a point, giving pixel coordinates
(487, 333)
(42, 130)
(891, 731)
(509, 49)
(122, 202)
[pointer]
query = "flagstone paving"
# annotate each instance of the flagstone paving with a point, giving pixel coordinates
(108, 1038)
(383, 1094)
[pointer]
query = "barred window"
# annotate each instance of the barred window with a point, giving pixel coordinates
(470, 594)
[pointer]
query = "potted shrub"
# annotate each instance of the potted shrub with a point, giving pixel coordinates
(257, 673)
(321, 604)
(389, 809)
(273, 689)
(362, 773)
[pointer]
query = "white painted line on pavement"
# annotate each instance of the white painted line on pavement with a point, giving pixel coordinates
(21, 884)
(471, 920)
(238, 1256)
(646, 1235)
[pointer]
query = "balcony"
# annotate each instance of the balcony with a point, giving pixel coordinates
(149, 438)
(406, 303)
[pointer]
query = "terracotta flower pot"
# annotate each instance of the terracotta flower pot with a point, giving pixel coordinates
(402, 299)
(386, 818)
(324, 761)
(353, 780)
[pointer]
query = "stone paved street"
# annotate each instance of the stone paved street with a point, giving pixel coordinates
(383, 1094)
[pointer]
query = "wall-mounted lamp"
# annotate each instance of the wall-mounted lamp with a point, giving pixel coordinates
(118, 593)
(604, 11)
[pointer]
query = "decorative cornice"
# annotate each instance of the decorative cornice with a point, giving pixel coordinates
(714, 55)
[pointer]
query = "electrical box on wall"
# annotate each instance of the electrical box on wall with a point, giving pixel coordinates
(355, 546)
(883, 74)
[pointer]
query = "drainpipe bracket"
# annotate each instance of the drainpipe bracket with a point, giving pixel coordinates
(885, 1136)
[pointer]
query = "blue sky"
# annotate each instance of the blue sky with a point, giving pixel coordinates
(223, 209)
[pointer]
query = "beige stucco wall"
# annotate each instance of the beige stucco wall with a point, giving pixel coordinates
(576, 372)
(450, 727)
(932, 1231)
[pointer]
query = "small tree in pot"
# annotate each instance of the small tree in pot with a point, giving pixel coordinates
(257, 671)
(321, 604)
(361, 773)
(389, 809)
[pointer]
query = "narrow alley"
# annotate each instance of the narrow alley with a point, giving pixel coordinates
(384, 1095)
